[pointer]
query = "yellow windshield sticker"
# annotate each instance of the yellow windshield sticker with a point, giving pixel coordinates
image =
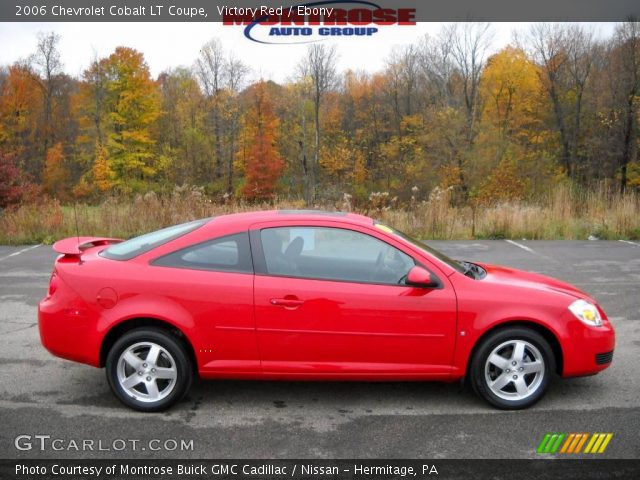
(384, 228)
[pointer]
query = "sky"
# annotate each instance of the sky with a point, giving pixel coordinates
(168, 45)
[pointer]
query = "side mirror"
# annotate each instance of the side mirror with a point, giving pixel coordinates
(419, 277)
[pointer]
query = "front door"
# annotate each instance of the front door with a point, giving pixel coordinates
(332, 301)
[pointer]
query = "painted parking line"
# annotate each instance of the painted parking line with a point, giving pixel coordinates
(519, 245)
(630, 242)
(20, 251)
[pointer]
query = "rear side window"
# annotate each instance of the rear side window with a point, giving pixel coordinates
(144, 243)
(226, 254)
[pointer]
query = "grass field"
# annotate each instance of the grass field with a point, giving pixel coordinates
(562, 214)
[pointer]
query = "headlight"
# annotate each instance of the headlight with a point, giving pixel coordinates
(586, 312)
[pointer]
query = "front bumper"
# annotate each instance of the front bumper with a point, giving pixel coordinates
(587, 350)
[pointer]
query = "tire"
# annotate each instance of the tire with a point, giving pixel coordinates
(132, 374)
(502, 383)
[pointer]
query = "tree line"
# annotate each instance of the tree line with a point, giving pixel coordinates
(557, 105)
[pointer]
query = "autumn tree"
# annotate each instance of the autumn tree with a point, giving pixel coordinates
(403, 153)
(236, 74)
(210, 70)
(103, 175)
(511, 133)
(470, 43)
(626, 60)
(450, 65)
(181, 128)
(319, 66)
(341, 158)
(47, 67)
(19, 112)
(56, 173)
(133, 106)
(510, 92)
(263, 164)
(294, 109)
(436, 64)
(93, 100)
(503, 184)
(221, 76)
(403, 74)
(366, 121)
(12, 180)
(565, 55)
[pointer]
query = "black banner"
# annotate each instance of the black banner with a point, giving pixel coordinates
(213, 11)
(317, 469)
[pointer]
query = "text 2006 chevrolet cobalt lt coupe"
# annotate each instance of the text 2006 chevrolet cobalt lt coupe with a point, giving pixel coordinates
(306, 295)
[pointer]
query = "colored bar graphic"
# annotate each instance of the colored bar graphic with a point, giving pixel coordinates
(567, 442)
(576, 440)
(543, 443)
(550, 443)
(572, 443)
(556, 445)
(592, 440)
(605, 443)
(583, 439)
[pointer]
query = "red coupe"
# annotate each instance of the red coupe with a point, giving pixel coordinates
(310, 295)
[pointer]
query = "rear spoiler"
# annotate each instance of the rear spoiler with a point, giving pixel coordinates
(77, 245)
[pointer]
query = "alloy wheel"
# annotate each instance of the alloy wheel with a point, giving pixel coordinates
(147, 372)
(514, 370)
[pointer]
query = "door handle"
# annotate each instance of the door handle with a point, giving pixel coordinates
(287, 302)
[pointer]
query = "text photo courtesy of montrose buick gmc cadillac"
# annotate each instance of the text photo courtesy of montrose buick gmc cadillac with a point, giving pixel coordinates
(309, 295)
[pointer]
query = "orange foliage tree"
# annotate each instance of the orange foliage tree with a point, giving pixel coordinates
(102, 173)
(263, 164)
(19, 110)
(56, 174)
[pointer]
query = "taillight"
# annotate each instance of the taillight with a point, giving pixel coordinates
(53, 283)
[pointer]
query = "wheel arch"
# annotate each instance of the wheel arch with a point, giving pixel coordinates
(546, 333)
(119, 329)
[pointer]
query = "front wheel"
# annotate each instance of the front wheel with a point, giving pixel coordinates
(511, 368)
(148, 369)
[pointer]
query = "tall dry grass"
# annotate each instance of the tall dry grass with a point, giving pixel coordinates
(564, 213)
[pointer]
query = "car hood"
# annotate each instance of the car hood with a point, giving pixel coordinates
(499, 274)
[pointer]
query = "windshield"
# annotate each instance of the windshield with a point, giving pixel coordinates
(144, 243)
(425, 248)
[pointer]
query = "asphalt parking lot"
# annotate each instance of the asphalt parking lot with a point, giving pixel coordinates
(40, 394)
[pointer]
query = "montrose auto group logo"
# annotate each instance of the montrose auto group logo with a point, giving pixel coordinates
(314, 22)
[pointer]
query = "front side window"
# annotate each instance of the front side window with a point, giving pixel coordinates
(333, 254)
(228, 254)
(422, 246)
(144, 243)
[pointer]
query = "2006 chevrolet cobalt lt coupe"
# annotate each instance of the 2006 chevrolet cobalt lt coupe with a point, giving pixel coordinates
(307, 295)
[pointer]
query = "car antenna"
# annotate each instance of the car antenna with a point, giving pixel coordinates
(75, 214)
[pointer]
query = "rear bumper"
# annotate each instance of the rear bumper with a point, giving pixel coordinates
(588, 350)
(68, 332)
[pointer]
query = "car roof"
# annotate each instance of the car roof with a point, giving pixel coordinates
(248, 218)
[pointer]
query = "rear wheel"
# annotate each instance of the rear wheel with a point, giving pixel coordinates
(148, 369)
(511, 368)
